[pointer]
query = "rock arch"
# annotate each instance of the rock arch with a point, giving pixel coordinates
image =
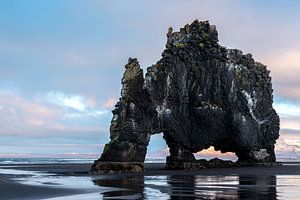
(199, 94)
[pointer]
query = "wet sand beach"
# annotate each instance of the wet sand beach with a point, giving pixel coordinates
(10, 189)
(72, 181)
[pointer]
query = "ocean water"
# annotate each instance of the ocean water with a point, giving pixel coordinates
(8, 161)
(43, 160)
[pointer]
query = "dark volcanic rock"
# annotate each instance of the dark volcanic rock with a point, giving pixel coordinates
(199, 94)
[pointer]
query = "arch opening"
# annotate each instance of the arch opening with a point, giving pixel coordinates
(211, 153)
(157, 149)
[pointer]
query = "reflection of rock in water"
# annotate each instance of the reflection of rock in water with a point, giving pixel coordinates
(216, 187)
(132, 187)
(222, 187)
(190, 187)
(257, 187)
(182, 187)
(203, 187)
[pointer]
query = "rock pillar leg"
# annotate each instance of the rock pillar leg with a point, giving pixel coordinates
(121, 156)
(129, 130)
(179, 158)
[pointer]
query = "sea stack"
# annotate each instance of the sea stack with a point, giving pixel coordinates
(199, 94)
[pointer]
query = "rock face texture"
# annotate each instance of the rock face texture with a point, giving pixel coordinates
(199, 94)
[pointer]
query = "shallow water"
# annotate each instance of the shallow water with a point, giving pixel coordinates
(10, 161)
(208, 187)
(168, 187)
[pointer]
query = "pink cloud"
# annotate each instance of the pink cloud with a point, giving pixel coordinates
(21, 115)
(211, 153)
(288, 91)
(35, 122)
(91, 103)
(110, 103)
(18, 105)
(285, 69)
(285, 64)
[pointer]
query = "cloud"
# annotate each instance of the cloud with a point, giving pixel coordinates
(75, 106)
(110, 103)
(55, 135)
(287, 109)
(287, 147)
(21, 115)
(289, 123)
(49, 113)
(35, 122)
(211, 153)
(289, 113)
(76, 102)
(74, 58)
(95, 113)
(158, 153)
(289, 91)
(285, 67)
(283, 62)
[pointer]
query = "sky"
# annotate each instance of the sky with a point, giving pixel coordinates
(61, 62)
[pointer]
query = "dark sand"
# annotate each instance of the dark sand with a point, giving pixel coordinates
(286, 168)
(10, 189)
(13, 190)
